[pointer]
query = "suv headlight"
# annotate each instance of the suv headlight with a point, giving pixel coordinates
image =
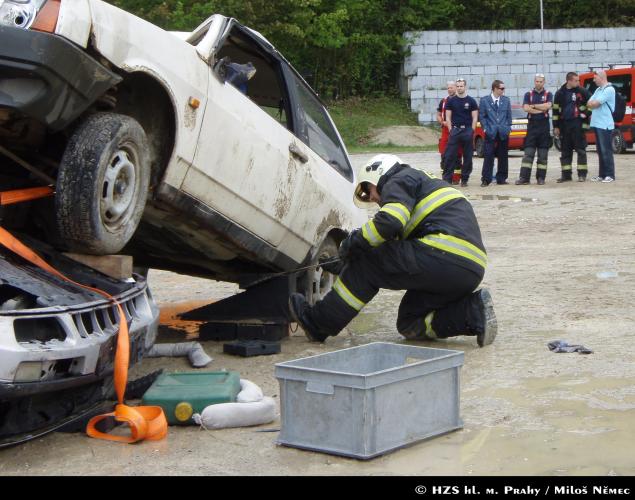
(19, 13)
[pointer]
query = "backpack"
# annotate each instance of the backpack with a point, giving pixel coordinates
(620, 107)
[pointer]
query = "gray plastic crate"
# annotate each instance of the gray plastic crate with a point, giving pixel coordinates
(366, 401)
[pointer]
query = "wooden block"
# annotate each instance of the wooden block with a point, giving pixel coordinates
(118, 267)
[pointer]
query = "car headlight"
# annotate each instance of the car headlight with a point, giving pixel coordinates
(19, 13)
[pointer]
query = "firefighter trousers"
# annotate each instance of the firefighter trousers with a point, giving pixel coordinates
(460, 138)
(458, 164)
(572, 137)
(538, 139)
(438, 303)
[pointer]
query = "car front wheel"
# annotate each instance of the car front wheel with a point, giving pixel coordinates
(479, 147)
(317, 282)
(102, 185)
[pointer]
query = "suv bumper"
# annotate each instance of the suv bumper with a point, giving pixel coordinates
(47, 78)
(58, 342)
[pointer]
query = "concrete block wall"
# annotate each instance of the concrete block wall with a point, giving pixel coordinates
(513, 56)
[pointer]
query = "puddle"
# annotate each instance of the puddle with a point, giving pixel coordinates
(172, 328)
(604, 275)
(498, 197)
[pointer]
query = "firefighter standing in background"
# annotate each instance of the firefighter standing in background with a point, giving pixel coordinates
(462, 115)
(445, 133)
(537, 103)
(425, 239)
(570, 123)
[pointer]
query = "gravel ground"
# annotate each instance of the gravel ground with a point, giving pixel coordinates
(562, 263)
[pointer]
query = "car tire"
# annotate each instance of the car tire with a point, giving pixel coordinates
(102, 184)
(479, 147)
(617, 142)
(315, 283)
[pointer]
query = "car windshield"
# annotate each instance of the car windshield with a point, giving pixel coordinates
(518, 113)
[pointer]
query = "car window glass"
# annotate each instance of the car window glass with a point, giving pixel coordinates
(256, 74)
(622, 84)
(518, 113)
(319, 133)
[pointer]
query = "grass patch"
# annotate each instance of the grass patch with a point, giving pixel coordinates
(388, 148)
(356, 118)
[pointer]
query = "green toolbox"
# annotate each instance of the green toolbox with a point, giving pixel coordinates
(183, 394)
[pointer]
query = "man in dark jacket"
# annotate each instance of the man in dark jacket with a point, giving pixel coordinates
(425, 239)
(495, 114)
(570, 123)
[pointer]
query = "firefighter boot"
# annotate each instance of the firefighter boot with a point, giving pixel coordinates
(301, 313)
(488, 326)
(523, 178)
(565, 176)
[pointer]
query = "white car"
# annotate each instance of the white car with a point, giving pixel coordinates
(160, 149)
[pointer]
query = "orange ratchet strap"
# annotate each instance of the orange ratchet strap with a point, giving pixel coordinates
(146, 422)
(18, 195)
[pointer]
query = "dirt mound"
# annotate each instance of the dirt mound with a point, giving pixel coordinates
(404, 135)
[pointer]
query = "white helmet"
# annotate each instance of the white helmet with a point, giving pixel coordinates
(370, 173)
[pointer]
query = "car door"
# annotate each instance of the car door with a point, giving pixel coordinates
(327, 196)
(248, 165)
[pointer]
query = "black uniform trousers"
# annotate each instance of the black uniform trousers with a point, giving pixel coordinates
(538, 139)
(572, 137)
(459, 137)
(439, 302)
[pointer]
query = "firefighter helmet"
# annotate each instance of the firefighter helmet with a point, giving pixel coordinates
(370, 173)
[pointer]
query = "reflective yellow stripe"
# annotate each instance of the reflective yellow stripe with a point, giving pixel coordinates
(371, 235)
(398, 211)
(566, 167)
(555, 106)
(456, 246)
(430, 333)
(583, 108)
(555, 116)
(347, 296)
(582, 167)
(430, 203)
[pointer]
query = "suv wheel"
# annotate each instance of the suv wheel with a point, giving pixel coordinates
(102, 185)
(316, 282)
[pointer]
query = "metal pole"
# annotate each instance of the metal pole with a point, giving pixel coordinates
(542, 38)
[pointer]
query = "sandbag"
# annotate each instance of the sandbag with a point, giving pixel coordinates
(249, 392)
(193, 350)
(224, 415)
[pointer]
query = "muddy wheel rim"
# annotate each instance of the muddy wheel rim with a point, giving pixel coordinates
(322, 283)
(119, 189)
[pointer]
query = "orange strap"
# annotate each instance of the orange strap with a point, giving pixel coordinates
(146, 422)
(18, 195)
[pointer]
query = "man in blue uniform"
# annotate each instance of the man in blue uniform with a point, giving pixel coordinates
(461, 114)
(536, 103)
(495, 114)
(425, 239)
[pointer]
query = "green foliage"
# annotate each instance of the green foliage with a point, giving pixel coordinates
(356, 47)
(356, 119)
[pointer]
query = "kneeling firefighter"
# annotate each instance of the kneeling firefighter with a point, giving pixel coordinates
(425, 239)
